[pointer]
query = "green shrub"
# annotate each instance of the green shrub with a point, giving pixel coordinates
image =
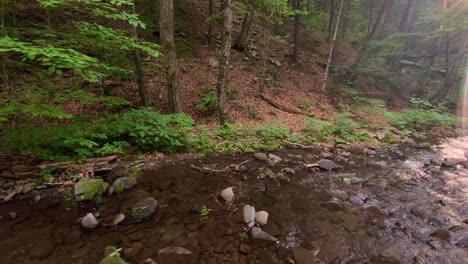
(420, 119)
(145, 130)
(150, 130)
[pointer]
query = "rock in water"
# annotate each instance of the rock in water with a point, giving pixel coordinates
(118, 219)
(261, 217)
(175, 250)
(376, 182)
(452, 162)
(275, 158)
(89, 221)
(144, 208)
(10, 196)
(303, 256)
(87, 190)
(326, 164)
(258, 233)
(412, 165)
(260, 156)
(227, 194)
(249, 214)
(378, 164)
(443, 234)
(124, 183)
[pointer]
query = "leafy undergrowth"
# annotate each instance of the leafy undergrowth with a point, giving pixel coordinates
(144, 131)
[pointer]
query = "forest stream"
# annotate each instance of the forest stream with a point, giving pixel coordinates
(370, 205)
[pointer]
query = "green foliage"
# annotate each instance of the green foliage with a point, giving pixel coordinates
(144, 129)
(244, 235)
(46, 175)
(149, 130)
(343, 128)
(208, 101)
(204, 213)
(420, 119)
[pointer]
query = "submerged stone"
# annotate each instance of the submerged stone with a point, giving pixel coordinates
(87, 190)
(144, 208)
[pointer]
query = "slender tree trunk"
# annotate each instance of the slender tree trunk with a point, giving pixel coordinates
(332, 46)
(295, 54)
(2, 33)
(224, 57)
(166, 21)
(406, 23)
(452, 77)
(241, 42)
(210, 24)
(139, 67)
(330, 20)
(345, 19)
(371, 16)
(384, 14)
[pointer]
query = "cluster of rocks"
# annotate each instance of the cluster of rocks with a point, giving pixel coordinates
(23, 189)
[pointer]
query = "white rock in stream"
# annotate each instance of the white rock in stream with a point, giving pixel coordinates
(249, 214)
(227, 194)
(257, 233)
(89, 221)
(261, 217)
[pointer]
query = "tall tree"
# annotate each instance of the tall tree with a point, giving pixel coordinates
(384, 14)
(297, 4)
(452, 77)
(241, 42)
(210, 23)
(224, 62)
(332, 46)
(166, 21)
(139, 67)
(331, 17)
(406, 23)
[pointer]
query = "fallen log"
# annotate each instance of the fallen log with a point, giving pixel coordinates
(283, 108)
(99, 165)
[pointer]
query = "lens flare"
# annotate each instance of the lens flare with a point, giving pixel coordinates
(464, 114)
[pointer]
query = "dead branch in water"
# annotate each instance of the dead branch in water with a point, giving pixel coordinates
(232, 167)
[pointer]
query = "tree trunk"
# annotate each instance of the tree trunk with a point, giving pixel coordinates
(384, 14)
(345, 19)
(224, 55)
(139, 68)
(330, 20)
(166, 21)
(406, 23)
(332, 47)
(451, 78)
(295, 54)
(210, 24)
(371, 16)
(241, 42)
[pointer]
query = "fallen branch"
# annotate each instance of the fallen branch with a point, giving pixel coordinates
(233, 167)
(102, 164)
(283, 108)
(419, 66)
(298, 145)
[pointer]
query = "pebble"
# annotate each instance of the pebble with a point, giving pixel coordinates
(175, 250)
(10, 196)
(261, 217)
(28, 187)
(227, 194)
(412, 165)
(249, 214)
(326, 164)
(89, 221)
(443, 234)
(37, 198)
(12, 215)
(244, 248)
(260, 156)
(258, 233)
(118, 219)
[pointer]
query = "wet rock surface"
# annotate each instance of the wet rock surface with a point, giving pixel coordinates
(378, 207)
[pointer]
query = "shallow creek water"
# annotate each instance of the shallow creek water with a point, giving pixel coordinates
(382, 213)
